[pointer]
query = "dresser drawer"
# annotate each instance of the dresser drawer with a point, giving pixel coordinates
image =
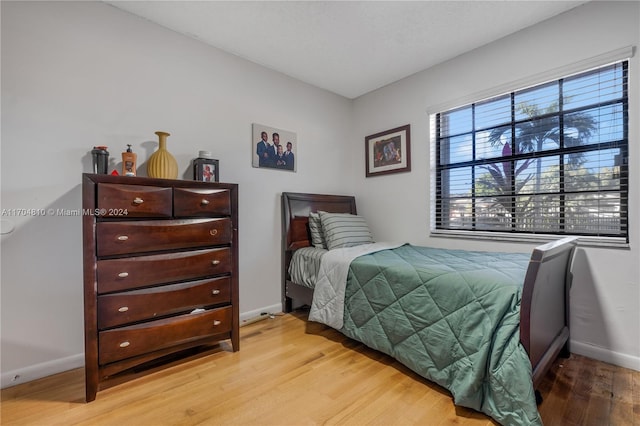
(127, 201)
(116, 238)
(123, 308)
(144, 271)
(189, 202)
(126, 342)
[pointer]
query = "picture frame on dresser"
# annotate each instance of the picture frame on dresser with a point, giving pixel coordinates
(206, 170)
(161, 281)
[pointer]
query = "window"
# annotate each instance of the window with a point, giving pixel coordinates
(547, 159)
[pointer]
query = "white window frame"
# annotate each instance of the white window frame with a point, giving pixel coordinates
(624, 53)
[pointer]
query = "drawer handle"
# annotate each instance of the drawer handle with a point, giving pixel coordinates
(215, 262)
(216, 291)
(213, 232)
(123, 309)
(204, 202)
(216, 323)
(124, 344)
(138, 200)
(123, 237)
(123, 274)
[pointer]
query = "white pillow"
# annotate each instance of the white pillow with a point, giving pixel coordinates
(344, 230)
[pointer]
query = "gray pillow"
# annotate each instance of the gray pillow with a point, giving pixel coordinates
(344, 230)
(315, 227)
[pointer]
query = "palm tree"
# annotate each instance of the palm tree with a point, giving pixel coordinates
(542, 126)
(499, 182)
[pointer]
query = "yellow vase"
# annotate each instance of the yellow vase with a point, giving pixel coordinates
(162, 164)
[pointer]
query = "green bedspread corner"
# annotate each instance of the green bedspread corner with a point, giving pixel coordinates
(451, 316)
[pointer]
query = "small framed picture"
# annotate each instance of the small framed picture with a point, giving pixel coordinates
(388, 152)
(206, 170)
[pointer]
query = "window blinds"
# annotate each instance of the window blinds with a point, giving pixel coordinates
(550, 159)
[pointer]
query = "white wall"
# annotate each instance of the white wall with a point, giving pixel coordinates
(80, 74)
(605, 316)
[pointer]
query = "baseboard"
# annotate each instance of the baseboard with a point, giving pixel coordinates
(258, 314)
(38, 371)
(606, 355)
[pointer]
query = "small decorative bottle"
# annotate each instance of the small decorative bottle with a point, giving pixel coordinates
(162, 164)
(129, 162)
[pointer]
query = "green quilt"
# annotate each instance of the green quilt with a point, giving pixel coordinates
(451, 316)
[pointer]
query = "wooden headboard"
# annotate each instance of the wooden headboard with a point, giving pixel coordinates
(295, 225)
(295, 214)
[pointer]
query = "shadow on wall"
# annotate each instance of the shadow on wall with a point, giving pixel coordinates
(588, 325)
(42, 298)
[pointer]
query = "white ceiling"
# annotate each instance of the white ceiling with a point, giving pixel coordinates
(347, 47)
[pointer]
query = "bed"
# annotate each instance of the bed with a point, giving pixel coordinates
(520, 327)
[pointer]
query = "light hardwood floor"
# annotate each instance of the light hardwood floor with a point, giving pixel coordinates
(291, 372)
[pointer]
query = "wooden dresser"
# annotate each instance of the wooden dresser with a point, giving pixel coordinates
(160, 272)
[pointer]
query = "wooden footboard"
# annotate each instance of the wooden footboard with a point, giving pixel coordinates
(544, 312)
